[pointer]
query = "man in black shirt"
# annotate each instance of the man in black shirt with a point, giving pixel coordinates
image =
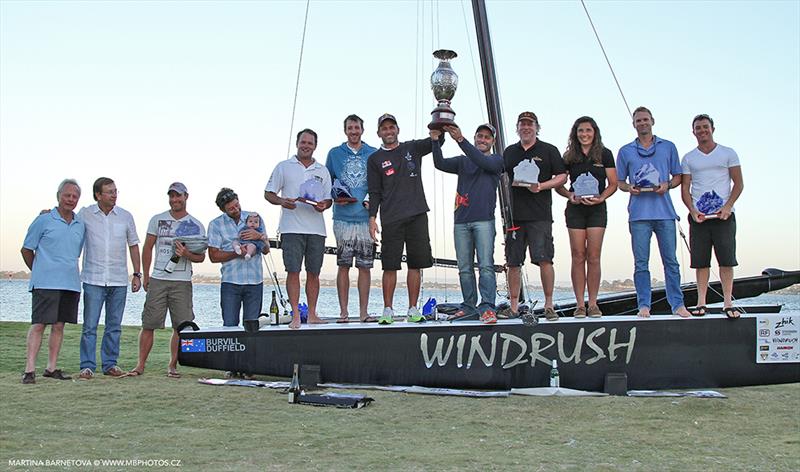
(395, 189)
(531, 210)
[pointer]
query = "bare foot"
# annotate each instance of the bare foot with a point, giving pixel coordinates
(683, 312)
(295, 324)
(644, 313)
(315, 320)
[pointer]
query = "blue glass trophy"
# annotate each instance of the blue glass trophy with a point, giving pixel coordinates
(585, 186)
(526, 174)
(709, 204)
(341, 192)
(311, 191)
(646, 178)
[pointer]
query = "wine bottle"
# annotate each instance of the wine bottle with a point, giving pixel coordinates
(273, 310)
(555, 377)
(294, 386)
(173, 261)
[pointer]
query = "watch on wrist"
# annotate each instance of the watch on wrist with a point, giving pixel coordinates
(138, 275)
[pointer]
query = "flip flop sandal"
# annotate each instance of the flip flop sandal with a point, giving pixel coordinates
(370, 319)
(699, 310)
(343, 320)
(173, 374)
(729, 311)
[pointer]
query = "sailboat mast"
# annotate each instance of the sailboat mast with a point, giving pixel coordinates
(492, 101)
(488, 72)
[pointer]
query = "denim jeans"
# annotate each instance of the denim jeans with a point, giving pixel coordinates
(471, 239)
(94, 297)
(641, 232)
(234, 297)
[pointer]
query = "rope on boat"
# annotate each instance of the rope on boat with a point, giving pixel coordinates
(613, 74)
(297, 80)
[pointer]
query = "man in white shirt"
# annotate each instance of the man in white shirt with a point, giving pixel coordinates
(712, 182)
(304, 186)
(110, 230)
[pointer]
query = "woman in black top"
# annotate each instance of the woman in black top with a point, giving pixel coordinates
(587, 161)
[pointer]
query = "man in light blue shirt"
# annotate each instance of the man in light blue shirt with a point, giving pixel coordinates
(242, 277)
(648, 168)
(51, 249)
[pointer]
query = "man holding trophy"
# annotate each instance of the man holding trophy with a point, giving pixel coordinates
(708, 172)
(647, 168)
(534, 167)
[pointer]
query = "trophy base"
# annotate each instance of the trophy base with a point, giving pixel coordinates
(712, 216)
(591, 195)
(306, 200)
(345, 200)
(442, 116)
(645, 189)
(518, 183)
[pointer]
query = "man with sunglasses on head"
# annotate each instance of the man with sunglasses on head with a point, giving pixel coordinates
(712, 182)
(242, 277)
(647, 168)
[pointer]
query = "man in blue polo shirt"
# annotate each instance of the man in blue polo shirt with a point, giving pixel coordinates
(648, 168)
(51, 249)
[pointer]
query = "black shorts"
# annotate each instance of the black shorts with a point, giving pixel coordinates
(586, 216)
(536, 236)
(716, 233)
(411, 232)
(54, 306)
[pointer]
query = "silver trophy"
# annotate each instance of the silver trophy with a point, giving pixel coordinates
(444, 82)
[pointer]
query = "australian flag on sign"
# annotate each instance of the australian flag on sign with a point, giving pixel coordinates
(193, 345)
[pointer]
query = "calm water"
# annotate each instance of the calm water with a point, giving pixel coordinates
(15, 302)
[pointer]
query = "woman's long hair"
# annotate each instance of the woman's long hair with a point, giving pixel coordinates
(574, 153)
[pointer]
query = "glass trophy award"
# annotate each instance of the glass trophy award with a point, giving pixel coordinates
(709, 204)
(341, 193)
(586, 186)
(646, 178)
(526, 174)
(311, 191)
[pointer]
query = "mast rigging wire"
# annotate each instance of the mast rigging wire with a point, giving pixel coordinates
(297, 80)
(613, 74)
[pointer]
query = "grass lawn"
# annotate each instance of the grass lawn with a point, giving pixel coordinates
(228, 428)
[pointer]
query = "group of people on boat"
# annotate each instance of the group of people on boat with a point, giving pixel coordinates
(386, 182)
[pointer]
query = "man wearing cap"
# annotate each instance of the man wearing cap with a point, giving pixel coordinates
(170, 285)
(242, 278)
(531, 210)
(474, 230)
(302, 226)
(647, 168)
(347, 163)
(110, 237)
(712, 180)
(395, 189)
(51, 249)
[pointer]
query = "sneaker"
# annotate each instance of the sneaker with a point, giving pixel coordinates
(550, 314)
(594, 311)
(29, 378)
(580, 312)
(113, 372)
(414, 316)
(86, 374)
(56, 374)
(488, 317)
(387, 317)
(529, 319)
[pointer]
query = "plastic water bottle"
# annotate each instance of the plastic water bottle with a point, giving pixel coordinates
(555, 378)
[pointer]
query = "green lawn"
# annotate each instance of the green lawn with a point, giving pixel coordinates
(230, 428)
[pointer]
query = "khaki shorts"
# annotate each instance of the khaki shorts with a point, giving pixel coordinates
(175, 295)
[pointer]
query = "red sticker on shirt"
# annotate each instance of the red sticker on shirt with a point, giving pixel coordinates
(389, 171)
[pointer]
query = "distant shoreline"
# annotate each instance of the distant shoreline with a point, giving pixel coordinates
(605, 286)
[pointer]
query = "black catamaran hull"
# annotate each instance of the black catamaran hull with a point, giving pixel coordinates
(661, 352)
(745, 287)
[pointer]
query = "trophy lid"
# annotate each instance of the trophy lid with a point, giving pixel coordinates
(444, 54)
